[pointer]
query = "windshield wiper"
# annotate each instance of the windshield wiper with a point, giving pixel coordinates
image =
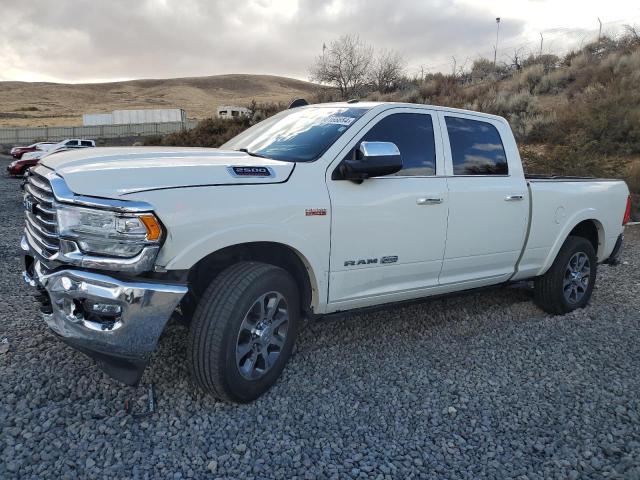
(253, 154)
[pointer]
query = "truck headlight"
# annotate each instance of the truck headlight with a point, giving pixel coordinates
(105, 232)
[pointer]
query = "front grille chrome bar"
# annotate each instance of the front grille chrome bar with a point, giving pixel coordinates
(41, 224)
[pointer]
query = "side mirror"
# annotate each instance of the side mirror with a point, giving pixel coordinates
(375, 159)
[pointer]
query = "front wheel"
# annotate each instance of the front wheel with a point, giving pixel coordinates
(243, 331)
(569, 283)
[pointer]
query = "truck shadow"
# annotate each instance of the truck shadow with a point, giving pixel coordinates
(422, 325)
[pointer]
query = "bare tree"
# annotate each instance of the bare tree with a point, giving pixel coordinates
(387, 71)
(632, 33)
(345, 64)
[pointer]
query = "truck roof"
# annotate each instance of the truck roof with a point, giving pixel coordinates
(382, 105)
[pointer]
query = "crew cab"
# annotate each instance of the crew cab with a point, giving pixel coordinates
(31, 158)
(317, 210)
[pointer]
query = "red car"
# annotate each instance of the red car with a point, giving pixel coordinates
(18, 167)
(17, 152)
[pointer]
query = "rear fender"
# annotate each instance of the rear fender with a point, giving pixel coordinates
(586, 214)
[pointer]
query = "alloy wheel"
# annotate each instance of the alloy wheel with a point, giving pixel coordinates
(262, 335)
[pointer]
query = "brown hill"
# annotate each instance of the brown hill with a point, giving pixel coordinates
(41, 104)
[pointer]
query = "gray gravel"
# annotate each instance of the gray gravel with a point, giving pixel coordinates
(478, 386)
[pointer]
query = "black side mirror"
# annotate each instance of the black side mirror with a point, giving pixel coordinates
(375, 159)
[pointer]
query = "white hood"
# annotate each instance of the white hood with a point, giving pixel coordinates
(33, 155)
(115, 171)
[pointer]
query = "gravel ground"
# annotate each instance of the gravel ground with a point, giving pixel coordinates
(478, 386)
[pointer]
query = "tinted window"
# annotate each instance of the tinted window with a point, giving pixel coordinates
(85, 143)
(71, 143)
(413, 135)
(476, 148)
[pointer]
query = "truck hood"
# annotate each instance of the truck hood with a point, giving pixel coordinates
(115, 171)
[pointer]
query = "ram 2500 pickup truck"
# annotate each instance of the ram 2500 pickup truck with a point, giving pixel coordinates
(316, 210)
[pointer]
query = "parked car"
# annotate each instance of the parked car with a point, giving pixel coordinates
(17, 152)
(29, 159)
(316, 211)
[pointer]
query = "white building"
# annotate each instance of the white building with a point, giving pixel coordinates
(125, 117)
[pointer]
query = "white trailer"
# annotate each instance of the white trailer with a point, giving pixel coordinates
(231, 111)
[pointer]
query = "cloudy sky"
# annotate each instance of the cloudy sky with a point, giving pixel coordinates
(90, 40)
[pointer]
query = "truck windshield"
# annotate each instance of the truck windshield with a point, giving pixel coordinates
(300, 135)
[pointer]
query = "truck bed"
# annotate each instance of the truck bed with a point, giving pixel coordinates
(557, 204)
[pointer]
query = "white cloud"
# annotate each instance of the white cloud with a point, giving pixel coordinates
(79, 40)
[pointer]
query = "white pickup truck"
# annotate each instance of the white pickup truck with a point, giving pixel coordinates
(316, 210)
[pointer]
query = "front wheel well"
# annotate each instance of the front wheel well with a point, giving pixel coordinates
(283, 256)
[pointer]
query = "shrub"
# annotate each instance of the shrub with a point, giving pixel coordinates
(211, 132)
(552, 83)
(528, 78)
(536, 127)
(411, 96)
(633, 176)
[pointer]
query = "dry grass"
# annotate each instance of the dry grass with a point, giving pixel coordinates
(42, 104)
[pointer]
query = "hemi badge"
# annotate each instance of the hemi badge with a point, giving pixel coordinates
(315, 212)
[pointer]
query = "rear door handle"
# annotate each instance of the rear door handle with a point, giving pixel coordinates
(429, 200)
(513, 198)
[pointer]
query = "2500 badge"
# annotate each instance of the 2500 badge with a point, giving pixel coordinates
(370, 261)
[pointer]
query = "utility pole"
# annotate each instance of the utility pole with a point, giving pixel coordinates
(495, 50)
(541, 40)
(600, 29)
(454, 65)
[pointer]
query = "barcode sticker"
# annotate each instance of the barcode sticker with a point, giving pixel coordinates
(339, 120)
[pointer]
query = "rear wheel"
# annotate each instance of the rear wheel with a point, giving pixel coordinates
(569, 282)
(243, 331)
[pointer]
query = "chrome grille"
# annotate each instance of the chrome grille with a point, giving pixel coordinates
(41, 226)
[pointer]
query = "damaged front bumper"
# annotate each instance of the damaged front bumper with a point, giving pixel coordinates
(117, 323)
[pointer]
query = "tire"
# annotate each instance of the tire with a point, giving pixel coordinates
(225, 323)
(550, 290)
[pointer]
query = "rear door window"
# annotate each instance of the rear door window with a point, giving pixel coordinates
(85, 143)
(476, 147)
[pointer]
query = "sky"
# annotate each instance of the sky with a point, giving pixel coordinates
(77, 41)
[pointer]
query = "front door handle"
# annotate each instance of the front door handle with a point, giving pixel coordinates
(513, 198)
(429, 200)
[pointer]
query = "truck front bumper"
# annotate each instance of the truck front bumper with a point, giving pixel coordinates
(117, 323)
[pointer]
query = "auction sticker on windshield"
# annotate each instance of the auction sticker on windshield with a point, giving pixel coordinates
(338, 120)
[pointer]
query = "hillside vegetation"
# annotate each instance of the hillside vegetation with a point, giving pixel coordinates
(577, 115)
(52, 104)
